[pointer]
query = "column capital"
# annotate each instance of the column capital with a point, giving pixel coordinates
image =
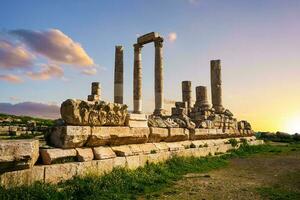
(137, 47)
(158, 42)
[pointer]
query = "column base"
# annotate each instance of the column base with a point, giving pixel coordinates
(136, 120)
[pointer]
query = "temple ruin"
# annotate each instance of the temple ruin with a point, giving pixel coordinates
(101, 135)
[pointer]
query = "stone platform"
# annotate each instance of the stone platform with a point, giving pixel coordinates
(128, 156)
(86, 136)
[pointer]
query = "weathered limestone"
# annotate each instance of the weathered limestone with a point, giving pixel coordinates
(177, 134)
(136, 120)
(95, 92)
(137, 79)
(159, 78)
(201, 97)
(216, 85)
(60, 172)
(118, 83)
(187, 93)
(148, 148)
(84, 154)
(69, 136)
(102, 153)
(99, 137)
(161, 146)
(158, 134)
(95, 113)
(122, 151)
(18, 154)
(51, 155)
(126, 135)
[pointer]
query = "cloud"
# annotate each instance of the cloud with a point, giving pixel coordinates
(48, 71)
(89, 72)
(10, 78)
(56, 46)
(14, 55)
(14, 98)
(31, 109)
(172, 37)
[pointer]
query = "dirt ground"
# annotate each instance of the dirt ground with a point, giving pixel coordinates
(240, 179)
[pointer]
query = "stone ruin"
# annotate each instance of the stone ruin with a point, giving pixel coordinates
(101, 135)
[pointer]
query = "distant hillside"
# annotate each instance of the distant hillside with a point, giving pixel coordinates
(31, 109)
(6, 119)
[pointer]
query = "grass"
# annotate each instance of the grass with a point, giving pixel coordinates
(146, 181)
(278, 193)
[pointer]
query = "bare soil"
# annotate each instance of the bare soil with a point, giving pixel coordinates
(240, 179)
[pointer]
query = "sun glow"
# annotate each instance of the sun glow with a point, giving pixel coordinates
(293, 125)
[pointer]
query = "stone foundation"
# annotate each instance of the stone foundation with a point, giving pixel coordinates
(129, 156)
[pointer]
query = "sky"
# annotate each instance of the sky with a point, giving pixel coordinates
(52, 50)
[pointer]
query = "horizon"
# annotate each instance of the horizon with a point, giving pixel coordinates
(257, 42)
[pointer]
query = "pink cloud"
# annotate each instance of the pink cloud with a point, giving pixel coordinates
(14, 55)
(56, 46)
(89, 72)
(48, 71)
(10, 78)
(172, 37)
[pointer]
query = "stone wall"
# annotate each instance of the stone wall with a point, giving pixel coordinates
(103, 159)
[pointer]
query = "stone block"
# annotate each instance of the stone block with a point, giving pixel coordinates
(51, 155)
(136, 120)
(84, 154)
(148, 148)
(89, 168)
(60, 172)
(120, 162)
(135, 149)
(186, 144)
(133, 162)
(198, 134)
(177, 134)
(105, 166)
(100, 136)
(101, 153)
(212, 131)
(158, 134)
(198, 143)
(22, 177)
(174, 146)
(122, 151)
(126, 135)
(69, 136)
(18, 154)
(162, 146)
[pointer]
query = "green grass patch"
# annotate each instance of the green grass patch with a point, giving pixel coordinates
(148, 181)
(277, 193)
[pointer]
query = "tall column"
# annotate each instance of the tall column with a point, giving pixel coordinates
(118, 83)
(216, 85)
(95, 92)
(137, 79)
(159, 77)
(201, 96)
(187, 93)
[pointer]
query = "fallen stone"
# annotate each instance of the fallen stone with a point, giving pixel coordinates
(84, 154)
(51, 155)
(102, 153)
(18, 154)
(69, 136)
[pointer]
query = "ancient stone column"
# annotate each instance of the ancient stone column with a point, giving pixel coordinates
(159, 78)
(216, 85)
(201, 96)
(118, 87)
(95, 92)
(137, 79)
(187, 93)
